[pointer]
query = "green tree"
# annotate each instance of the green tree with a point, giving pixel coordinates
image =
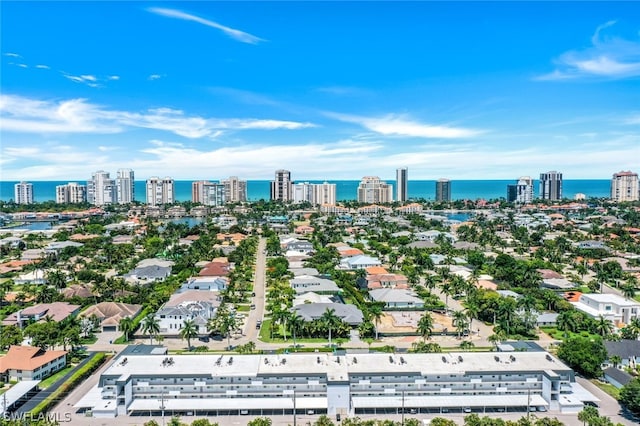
(630, 395)
(603, 326)
(440, 421)
(330, 320)
(224, 322)
(583, 354)
(588, 414)
(260, 421)
(375, 311)
(188, 331)
(425, 326)
(323, 420)
(10, 335)
(126, 326)
(151, 326)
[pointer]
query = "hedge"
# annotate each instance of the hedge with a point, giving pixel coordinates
(76, 378)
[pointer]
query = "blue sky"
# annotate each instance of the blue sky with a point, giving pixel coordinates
(328, 90)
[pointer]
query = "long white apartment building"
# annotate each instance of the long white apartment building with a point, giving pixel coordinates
(101, 189)
(335, 384)
(235, 190)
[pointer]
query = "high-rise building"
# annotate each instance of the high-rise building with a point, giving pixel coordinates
(282, 186)
(197, 190)
(101, 189)
(208, 193)
(125, 188)
(235, 190)
(372, 190)
(71, 193)
(551, 186)
(324, 193)
(624, 187)
(402, 176)
(23, 193)
(160, 191)
(443, 190)
(303, 192)
(521, 192)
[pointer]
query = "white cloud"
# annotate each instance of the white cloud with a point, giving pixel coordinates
(238, 35)
(607, 57)
(43, 67)
(12, 55)
(113, 77)
(155, 77)
(397, 125)
(24, 115)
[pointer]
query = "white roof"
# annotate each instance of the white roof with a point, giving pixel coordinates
(90, 399)
(327, 364)
(16, 392)
(610, 298)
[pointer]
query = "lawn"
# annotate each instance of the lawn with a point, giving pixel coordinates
(607, 387)
(53, 378)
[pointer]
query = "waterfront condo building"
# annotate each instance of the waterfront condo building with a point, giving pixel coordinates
(101, 189)
(160, 191)
(521, 192)
(125, 188)
(71, 193)
(443, 190)
(624, 187)
(402, 176)
(208, 193)
(282, 186)
(23, 193)
(551, 186)
(303, 192)
(324, 193)
(235, 190)
(372, 190)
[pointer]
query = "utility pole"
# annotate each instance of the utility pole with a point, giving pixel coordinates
(162, 406)
(402, 422)
(528, 404)
(294, 407)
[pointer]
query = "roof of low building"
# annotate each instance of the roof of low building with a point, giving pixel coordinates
(27, 358)
(623, 348)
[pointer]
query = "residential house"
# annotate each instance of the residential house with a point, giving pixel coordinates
(110, 313)
(397, 298)
(306, 283)
(615, 308)
(57, 311)
(209, 283)
(359, 262)
(148, 271)
(618, 378)
(349, 314)
(627, 350)
(311, 297)
(33, 254)
(29, 363)
(300, 247)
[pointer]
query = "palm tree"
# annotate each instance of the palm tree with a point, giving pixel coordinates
(425, 326)
(566, 322)
(615, 360)
(375, 311)
(634, 327)
(587, 414)
(628, 291)
(57, 279)
(496, 338)
(224, 322)
(603, 326)
(150, 325)
(466, 345)
(460, 321)
(188, 331)
(295, 323)
(330, 320)
(126, 326)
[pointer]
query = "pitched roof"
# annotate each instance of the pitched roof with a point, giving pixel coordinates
(111, 312)
(215, 269)
(56, 310)
(618, 375)
(27, 358)
(623, 348)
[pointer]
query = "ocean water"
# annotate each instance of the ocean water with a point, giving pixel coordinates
(347, 189)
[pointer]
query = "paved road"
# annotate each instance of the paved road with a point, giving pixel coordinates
(607, 406)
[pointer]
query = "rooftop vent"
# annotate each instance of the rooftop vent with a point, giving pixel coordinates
(444, 359)
(390, 359)
(549, 358)
(497, 358)
(512, 358)
(355, 360)
(318, 360)
(460, 358)
(230, 361)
